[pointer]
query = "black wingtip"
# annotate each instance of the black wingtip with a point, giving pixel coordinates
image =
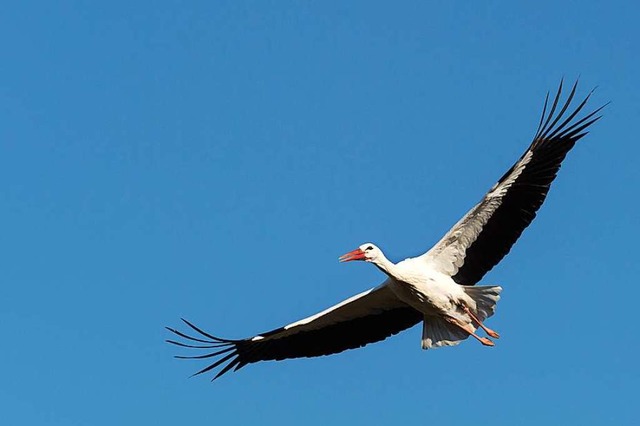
(226, 368)
(226, 349)
(550, 126)
(205, 356)
(541, 129)
(204, 333)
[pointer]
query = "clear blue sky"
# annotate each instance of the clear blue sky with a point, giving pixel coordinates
(213, 159)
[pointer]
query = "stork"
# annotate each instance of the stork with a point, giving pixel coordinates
(437, 288)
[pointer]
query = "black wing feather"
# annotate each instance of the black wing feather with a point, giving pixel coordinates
(328, 340)
(527, 193)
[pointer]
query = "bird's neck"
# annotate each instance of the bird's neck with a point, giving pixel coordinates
(386, 266)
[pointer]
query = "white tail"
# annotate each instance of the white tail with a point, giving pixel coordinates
(437, 332)
(486, 298)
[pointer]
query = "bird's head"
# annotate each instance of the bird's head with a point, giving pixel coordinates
(367, 252)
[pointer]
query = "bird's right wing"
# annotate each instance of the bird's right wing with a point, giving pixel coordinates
(365, 318)
(488, 231)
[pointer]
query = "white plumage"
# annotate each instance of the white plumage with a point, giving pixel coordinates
(437, 288)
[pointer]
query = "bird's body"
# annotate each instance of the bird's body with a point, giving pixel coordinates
(437, 288)
(425, 289)
(418, 283)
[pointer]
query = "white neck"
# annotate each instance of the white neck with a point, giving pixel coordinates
(385, 265)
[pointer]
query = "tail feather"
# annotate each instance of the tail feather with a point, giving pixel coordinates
(486, 298)
(436, 332)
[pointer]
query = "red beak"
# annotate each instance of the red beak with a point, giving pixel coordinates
(357, 254)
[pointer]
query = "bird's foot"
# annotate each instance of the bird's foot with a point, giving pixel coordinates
(492, 333)
(485, 341)
(474, 318)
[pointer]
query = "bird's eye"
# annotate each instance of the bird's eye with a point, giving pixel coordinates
(369, 248)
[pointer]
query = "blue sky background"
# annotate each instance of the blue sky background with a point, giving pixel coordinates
(213, 159)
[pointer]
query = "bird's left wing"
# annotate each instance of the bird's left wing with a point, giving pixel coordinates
(486, 233)
(365, 318)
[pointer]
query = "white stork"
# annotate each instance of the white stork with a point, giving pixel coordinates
(438, 287)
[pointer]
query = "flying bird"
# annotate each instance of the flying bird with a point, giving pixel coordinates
(437, 288)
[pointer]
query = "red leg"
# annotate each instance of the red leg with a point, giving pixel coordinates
(467, 328)
(487, 330)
